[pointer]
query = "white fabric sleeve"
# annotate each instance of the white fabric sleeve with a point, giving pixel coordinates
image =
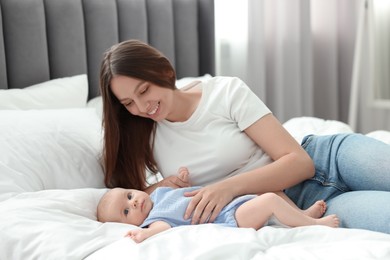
(245, 106)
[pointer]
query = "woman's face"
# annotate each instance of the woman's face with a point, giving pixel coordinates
(143, 98)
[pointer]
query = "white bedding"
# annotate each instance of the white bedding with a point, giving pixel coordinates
(51, 182)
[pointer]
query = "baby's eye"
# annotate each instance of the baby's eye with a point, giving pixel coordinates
(129, 196)
(126, 211)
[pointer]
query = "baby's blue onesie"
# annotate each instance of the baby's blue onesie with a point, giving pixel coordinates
(169, 205)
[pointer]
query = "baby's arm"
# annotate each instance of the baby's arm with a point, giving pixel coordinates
(139, 235)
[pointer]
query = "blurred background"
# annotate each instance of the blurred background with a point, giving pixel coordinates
(322, 58)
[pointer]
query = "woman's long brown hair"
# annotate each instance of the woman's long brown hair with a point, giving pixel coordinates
(128, 139)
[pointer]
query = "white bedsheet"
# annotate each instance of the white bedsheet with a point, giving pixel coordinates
(212, 242)
(60, 222)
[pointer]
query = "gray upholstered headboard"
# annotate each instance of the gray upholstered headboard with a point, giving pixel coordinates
(47, 39)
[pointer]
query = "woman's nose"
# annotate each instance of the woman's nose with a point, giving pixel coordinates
(143, 106)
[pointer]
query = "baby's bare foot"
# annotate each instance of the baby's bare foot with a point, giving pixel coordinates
(330, 221)
(316, 210)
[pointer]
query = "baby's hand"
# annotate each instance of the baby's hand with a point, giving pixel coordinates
(138, 235)
(181, 180)
(183, 174)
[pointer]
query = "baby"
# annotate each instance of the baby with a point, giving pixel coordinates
(164, 208)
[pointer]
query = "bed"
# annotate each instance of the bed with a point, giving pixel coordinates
(50, 137)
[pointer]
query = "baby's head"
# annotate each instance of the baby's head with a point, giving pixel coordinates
(124, 206)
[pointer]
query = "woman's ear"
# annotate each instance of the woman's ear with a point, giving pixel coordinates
(170, 73)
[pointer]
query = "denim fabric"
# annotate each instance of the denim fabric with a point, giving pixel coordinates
(352, 176)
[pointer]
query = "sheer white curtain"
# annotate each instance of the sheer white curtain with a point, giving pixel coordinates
(288, 57)
(299, 54)
(372, 66)
(381, 11)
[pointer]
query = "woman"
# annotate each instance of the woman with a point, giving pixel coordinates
(230, 142)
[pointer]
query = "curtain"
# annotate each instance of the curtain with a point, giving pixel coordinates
(296, 55)
(288, 57)
(381, 32)
(370, 109)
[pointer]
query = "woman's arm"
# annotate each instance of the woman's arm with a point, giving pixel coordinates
(139, 235)
(291, 165)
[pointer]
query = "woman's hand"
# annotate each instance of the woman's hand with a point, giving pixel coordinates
(207, 203)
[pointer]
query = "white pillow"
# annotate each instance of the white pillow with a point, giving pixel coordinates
(49, 149)
(54, 224)
(66, 92)
(299, 127)
(381, 135)
(97, 104)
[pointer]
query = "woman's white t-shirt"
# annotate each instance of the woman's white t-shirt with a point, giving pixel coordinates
(211, 143)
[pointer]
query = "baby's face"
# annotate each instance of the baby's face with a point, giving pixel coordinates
(125, 206)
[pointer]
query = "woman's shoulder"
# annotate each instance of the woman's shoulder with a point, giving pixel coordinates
(214, 84)
(220, 86)
(223, 80)
(225, 83)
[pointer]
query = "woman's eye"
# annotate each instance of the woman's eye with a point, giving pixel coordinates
(144, 90)
(126, 211)
(128, 103)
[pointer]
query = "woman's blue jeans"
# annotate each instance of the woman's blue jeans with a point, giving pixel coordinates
(352, 176)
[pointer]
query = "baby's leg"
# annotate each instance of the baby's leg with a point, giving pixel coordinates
(316, 210)
(254, 213)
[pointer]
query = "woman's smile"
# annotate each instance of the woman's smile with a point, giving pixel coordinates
(154, 110)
